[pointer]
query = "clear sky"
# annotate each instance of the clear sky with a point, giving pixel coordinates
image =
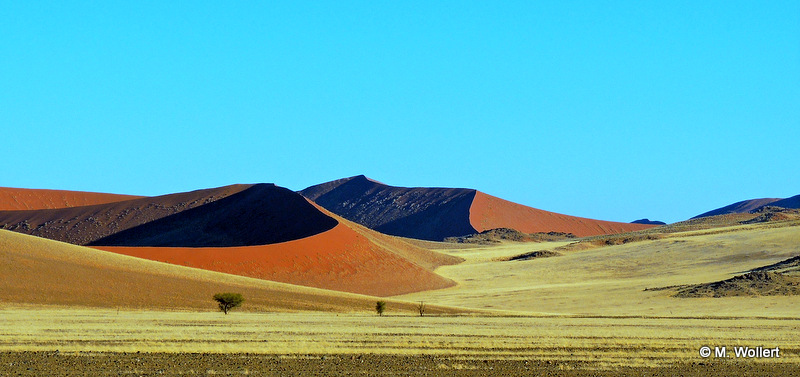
(604, 109)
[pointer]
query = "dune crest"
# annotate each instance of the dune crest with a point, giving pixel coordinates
(339, 259)
(437, 213)
(86, 224)
(489, 212)
(260, 231)
(743, 206)
(43, 272)
(16, 199)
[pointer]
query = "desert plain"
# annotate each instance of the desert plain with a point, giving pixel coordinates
(597, 305)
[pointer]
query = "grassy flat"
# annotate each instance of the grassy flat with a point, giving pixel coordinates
(611, 280)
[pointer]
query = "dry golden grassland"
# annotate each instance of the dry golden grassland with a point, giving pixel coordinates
(587, 309)
(602, 342)
(611, 280)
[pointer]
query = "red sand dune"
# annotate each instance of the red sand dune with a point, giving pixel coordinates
(43, 272)
(489, 212)
(12, 199)
(420, 256)
(413, 212)
(339, 259)
(260, 231)
(81, 225)
(437, 213)
(259, 215)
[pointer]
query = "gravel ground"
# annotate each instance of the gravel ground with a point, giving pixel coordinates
(209, 364)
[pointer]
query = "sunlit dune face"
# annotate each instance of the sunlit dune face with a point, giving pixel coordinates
(488, 212)
(14, 199)
(339, 259)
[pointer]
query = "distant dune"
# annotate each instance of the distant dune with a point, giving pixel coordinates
(793, 202)
(437, 213)
(422, 213)
(648, 222)
(83, 225)
(12, 199)
(44, 272)
(258, 215)
(268, 232)
(489, 212)
(744, 206)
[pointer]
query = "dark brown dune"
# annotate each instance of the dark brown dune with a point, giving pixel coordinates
(437, 213)
(648, 222)
(259, 215)
(83, 225)
(14, 199)
(793, 202)
(744, 206)
(422, 213)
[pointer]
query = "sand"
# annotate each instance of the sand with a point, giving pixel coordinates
(432, 213)
(340, 259)
(14, 199)
(85, 224)
(489, 212)
(37, 271)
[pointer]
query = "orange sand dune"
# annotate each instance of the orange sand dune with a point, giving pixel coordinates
(489, 212)
(431, 213)
(420, 256)
(44, 272)
(339, 259)
(81, 225)
(12, 199)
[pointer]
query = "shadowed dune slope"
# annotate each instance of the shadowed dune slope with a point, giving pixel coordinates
(260, 231)
(340, 259)
(15, 199)
(793, 202)
(489, 212)
(259, 215)
(744, 206)
(314, 192)
(437, 213)
(44, 272)
(418, 255)
(422, 213)
(82, 225)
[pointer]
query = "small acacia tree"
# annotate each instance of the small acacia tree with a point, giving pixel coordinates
(228, 301)
(421, 308)
(380, 306)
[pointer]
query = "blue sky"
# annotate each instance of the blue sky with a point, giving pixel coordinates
(602, 109)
